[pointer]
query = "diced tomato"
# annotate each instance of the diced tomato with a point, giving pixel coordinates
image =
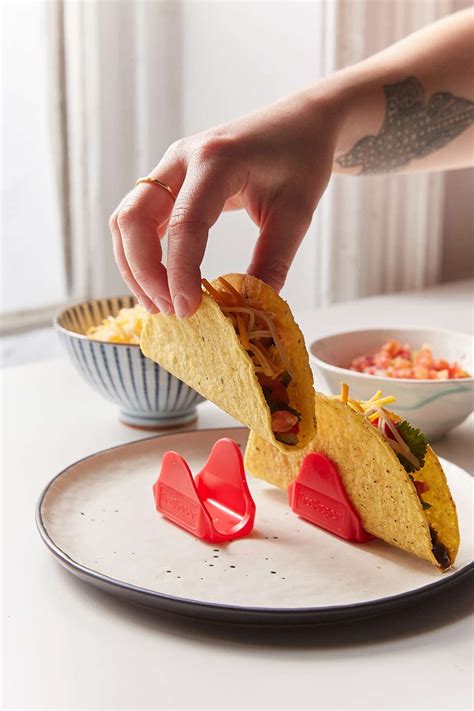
(421, 373)
(421, 487)
(381, 360)
(392, 347)
(278, 392)
(283, 421)
(295, 429)
(400, 362)
(361, 364)
(396, 361)
(386, 430)
(424, 357)
(403, 373)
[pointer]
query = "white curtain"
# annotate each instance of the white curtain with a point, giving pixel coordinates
(121, 111)
(382, 233)
(138, 74)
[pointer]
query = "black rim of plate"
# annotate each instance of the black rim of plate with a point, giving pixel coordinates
(219, 612)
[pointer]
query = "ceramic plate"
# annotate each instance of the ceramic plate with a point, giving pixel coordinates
(98, 518)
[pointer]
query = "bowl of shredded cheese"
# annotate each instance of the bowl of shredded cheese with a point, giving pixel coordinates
(102, 338)
(429, 371)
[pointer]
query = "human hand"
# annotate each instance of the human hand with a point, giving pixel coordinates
(275, 164)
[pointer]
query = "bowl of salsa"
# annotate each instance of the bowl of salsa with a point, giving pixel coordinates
(428, 371)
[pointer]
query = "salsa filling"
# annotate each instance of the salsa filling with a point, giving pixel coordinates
(257, 332)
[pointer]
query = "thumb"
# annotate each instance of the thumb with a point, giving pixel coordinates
(279, 239)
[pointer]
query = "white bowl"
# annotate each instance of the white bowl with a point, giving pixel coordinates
(434, 406)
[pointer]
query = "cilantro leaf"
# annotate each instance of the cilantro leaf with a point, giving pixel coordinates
(417, 443)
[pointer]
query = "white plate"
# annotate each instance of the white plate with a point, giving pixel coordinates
(98, 518)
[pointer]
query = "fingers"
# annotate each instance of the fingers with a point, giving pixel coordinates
(144, 215)
(280, 236)
(138, 222)
(125, 270)
(137, 226)
(198, 205)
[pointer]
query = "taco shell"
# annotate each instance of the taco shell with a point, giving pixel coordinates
(377, 484)
(205, 352)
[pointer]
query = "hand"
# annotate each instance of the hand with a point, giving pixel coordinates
(275, 163)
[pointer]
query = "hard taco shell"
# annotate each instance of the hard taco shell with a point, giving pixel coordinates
(205, 352)
(377, 484)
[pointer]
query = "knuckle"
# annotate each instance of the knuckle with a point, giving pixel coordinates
(215, 149)
(113, 221)
(184, 220)
(126, 217)
(180, 228)
(177, 149)
(181, 211)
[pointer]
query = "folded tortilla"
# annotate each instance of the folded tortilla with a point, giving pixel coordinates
(377, 484)
(205, 352)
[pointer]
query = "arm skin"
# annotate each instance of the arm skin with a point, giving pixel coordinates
(429, 77)
(407, 108)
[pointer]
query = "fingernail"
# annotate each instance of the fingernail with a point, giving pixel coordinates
(164, 305)
(147, 304)
(180, 306)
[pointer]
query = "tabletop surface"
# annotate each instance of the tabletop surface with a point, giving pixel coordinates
(70, 646)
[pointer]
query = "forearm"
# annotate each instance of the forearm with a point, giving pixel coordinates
(409, 107)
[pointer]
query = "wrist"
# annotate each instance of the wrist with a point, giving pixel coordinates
(352, 104)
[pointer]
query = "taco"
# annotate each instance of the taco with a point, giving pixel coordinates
(243, 351)
(392, 477)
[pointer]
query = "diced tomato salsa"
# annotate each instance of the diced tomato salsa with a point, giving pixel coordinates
(394, 360)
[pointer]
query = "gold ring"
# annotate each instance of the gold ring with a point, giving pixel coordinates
(157, 182)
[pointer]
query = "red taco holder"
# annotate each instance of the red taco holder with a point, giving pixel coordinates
(217, 505)
(319, 496)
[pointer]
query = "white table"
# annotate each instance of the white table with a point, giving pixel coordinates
(69, 646)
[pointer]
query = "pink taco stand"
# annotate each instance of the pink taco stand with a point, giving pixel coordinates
(217, 505)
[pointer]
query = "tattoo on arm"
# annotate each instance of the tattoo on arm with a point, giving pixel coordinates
(411, 129)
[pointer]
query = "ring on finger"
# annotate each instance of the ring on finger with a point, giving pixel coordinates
(155, 181)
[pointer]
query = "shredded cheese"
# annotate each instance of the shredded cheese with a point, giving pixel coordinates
(355, 405)
(228, 287)
(244, 336)
(373, 409)
(266, 365)
(254, 326)
(344, 392)
(125, 327)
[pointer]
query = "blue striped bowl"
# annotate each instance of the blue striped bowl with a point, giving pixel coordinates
(148, 396)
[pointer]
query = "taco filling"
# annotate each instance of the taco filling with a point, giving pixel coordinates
(408, 443)
(257, 332)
